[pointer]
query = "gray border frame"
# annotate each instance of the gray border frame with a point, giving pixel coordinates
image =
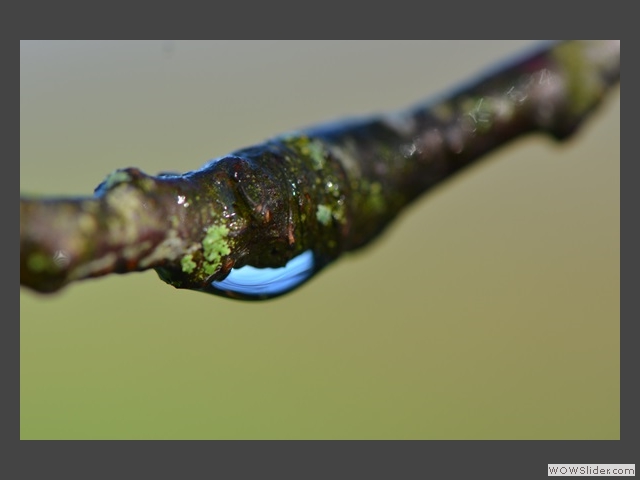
(397, 459)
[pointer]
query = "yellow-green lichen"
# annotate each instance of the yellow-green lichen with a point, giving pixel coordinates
(333, 188)
(215, 245)
(188, 265)
(309, 148)
(114, 178)
(147, 184)
(40, 262)
(483, 113)
(479, 113)
(323, 214)
(583, 88)
(374, 199)
(338, 212)
(316, 153)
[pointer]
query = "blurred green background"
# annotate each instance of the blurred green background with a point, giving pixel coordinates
(489, 310)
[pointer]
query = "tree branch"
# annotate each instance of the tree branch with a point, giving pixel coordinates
(262, 220)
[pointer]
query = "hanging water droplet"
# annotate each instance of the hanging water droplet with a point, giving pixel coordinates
(259, 283)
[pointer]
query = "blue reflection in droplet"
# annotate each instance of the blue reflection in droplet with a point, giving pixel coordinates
(264, 282)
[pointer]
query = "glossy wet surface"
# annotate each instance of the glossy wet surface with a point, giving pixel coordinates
(267, 282)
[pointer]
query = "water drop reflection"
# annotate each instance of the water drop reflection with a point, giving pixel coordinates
(267, 282)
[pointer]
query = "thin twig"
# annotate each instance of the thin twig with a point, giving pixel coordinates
(316, 193)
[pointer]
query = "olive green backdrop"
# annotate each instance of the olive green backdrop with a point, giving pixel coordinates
(489, 310)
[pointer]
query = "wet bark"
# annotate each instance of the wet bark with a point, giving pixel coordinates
(325, 190)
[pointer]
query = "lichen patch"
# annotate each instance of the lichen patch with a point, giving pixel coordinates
(214, 246)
